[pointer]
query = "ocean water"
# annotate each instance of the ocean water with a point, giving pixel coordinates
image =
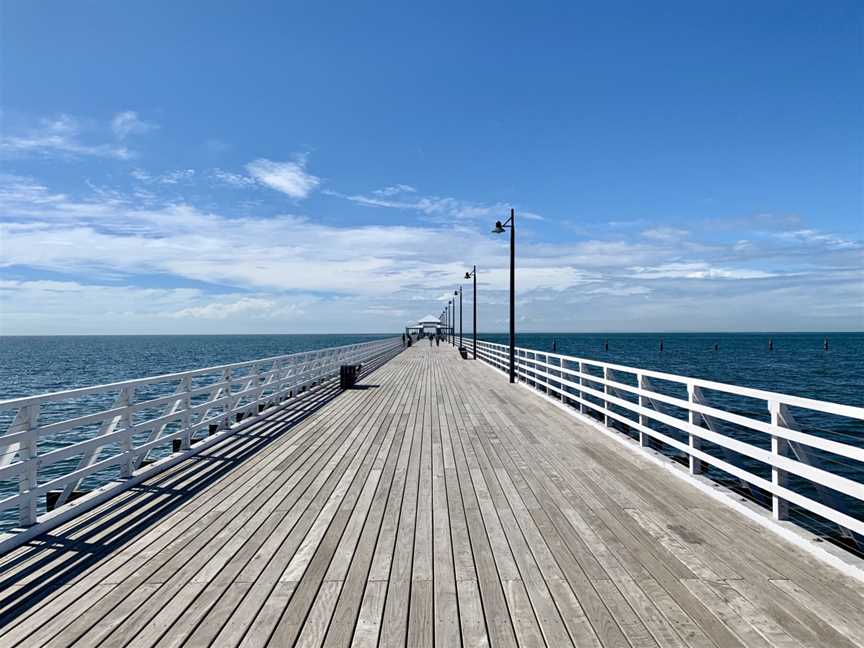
(797, 365)
(38, 364)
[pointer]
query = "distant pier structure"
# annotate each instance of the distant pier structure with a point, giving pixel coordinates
(425, 326)
(436, 504)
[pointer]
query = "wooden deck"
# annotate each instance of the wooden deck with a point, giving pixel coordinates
(437, 506)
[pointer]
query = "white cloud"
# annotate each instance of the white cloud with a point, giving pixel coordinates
(619, 290)
(168, 178)
(698, 270)
(530, 216)
(810, 236)
(233, 179)
(288, 177)
(665, 234)
(395, 190)
(270, 274)
(435, 206)
(224, 310)
(129, 123)
(59, 136)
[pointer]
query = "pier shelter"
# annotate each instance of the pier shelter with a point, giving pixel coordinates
(425, 327)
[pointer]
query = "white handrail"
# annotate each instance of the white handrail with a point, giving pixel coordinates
(147, 414)
(636, 406)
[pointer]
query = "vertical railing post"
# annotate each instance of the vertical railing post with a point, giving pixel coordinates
(290, 373)
(694, 441)
(534, 369)
(128, 465)
(544, 371)
(779, 477)
(579, 389)
(561, 378)
(643, 420)
(186, 439)
(256, 384)
(605, 391)
(229, 403)
(278, 392)
(29, 477)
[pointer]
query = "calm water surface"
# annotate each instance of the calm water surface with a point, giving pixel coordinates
(33, 365)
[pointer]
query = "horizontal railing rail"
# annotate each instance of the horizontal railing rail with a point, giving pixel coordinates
(699, 418)
(58, 440)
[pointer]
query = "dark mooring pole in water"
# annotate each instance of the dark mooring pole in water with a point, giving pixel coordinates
(825, 344)
(661, 345)
(606, 345)
(770, 345)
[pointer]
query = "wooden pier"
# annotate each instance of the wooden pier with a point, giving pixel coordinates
(434, 505)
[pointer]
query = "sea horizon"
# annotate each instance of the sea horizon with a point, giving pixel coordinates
(466, 333)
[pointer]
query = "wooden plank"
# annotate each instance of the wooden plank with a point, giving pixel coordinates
(369, 619)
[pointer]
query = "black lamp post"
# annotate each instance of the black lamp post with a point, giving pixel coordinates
(468, 275)
(499, 229)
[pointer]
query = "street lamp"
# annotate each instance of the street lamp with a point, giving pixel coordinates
(459, 292)
(499, 229)
(468, 275)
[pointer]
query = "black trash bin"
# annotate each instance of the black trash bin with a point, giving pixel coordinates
(348, 375)
(463, 352)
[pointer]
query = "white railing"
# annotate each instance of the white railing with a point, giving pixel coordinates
(120, 427)
(646, 402)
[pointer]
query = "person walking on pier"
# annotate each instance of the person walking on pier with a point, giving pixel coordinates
(430, 340)
(437, 340)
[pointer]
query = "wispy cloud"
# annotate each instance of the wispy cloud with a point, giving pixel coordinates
(698, 270)
(815, 237)
(395, 190)
(290, 178)
(404, 197)
(665, 233)
(129, 123)
(61, 135)
(225, 309)
(237, 180)
(168, 178)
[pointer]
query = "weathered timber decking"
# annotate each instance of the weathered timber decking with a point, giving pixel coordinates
(438, 505)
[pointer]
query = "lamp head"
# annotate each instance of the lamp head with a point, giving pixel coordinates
(499, 228)
(467, 275)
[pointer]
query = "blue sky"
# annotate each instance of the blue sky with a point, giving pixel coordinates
(299, 167)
